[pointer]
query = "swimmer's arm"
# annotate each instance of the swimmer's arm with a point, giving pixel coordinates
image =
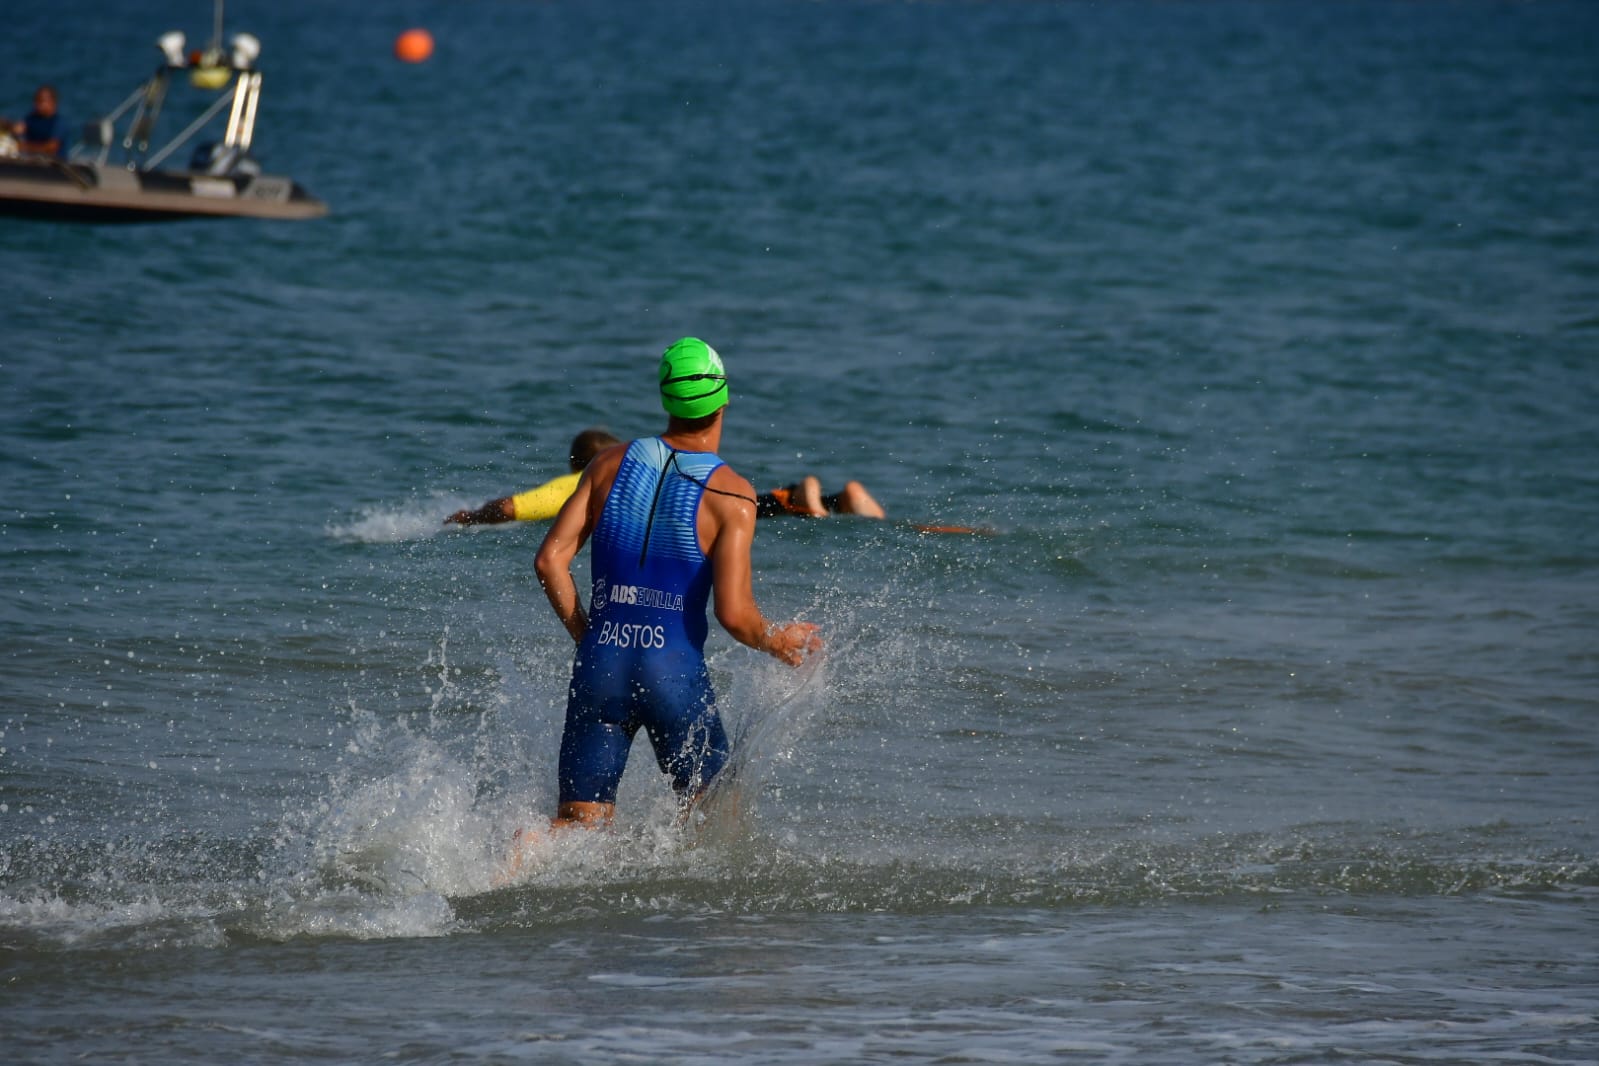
(495, 511)
(544, 502)
(554, 561)
(731, 580)
(534, 505)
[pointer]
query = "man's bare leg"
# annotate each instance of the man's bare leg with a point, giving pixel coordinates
(567, 816)
(578, 815)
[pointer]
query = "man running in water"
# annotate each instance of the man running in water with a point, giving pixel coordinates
(672, 525)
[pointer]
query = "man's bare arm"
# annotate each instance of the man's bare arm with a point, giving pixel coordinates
(554, 561)
(732, 534)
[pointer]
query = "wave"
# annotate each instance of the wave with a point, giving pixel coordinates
(417, 856)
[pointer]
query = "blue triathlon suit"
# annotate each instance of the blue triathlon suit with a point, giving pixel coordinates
(642, 660)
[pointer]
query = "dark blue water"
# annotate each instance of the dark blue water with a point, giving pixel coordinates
(1262, 729)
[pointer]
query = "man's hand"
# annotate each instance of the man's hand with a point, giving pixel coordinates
(794, 642)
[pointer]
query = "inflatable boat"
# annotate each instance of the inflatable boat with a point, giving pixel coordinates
(220, 180)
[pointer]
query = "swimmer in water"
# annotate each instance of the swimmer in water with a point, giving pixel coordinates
(803, 498)
(543, 502)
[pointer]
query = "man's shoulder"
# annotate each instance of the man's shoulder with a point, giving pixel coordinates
(608, 458)
(605, 462)
(730, 497)
(725, 479)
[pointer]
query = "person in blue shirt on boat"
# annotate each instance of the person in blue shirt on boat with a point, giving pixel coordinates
(672, 526)
(43, 132)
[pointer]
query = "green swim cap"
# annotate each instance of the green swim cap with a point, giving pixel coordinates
(693, 383)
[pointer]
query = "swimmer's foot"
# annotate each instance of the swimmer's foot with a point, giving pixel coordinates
(516, 856)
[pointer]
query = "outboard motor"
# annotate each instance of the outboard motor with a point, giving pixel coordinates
(222, 159)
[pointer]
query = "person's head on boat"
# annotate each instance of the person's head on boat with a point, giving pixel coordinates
(44, 101)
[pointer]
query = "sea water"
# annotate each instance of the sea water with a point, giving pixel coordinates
(1259, 726)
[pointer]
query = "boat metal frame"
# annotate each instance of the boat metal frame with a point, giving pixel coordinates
(228, 182)
(100, 136)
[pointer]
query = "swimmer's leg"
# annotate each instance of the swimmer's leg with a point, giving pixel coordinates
(593, 756)
(690, 742)
(594, 746)
(854, 499)
(694, 761)
(577, 814)
(599, 729)
(525, 842)
(807, 498)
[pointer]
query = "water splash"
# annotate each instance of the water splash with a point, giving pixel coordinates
(398, 523)
(406, 838)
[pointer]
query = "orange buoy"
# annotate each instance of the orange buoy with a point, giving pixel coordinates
(413, 46)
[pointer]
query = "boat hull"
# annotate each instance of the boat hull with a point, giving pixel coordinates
(88, 192)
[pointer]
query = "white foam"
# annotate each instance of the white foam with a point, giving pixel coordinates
(398, 523)
(86, 922)
(362, 916)
(410, 824)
